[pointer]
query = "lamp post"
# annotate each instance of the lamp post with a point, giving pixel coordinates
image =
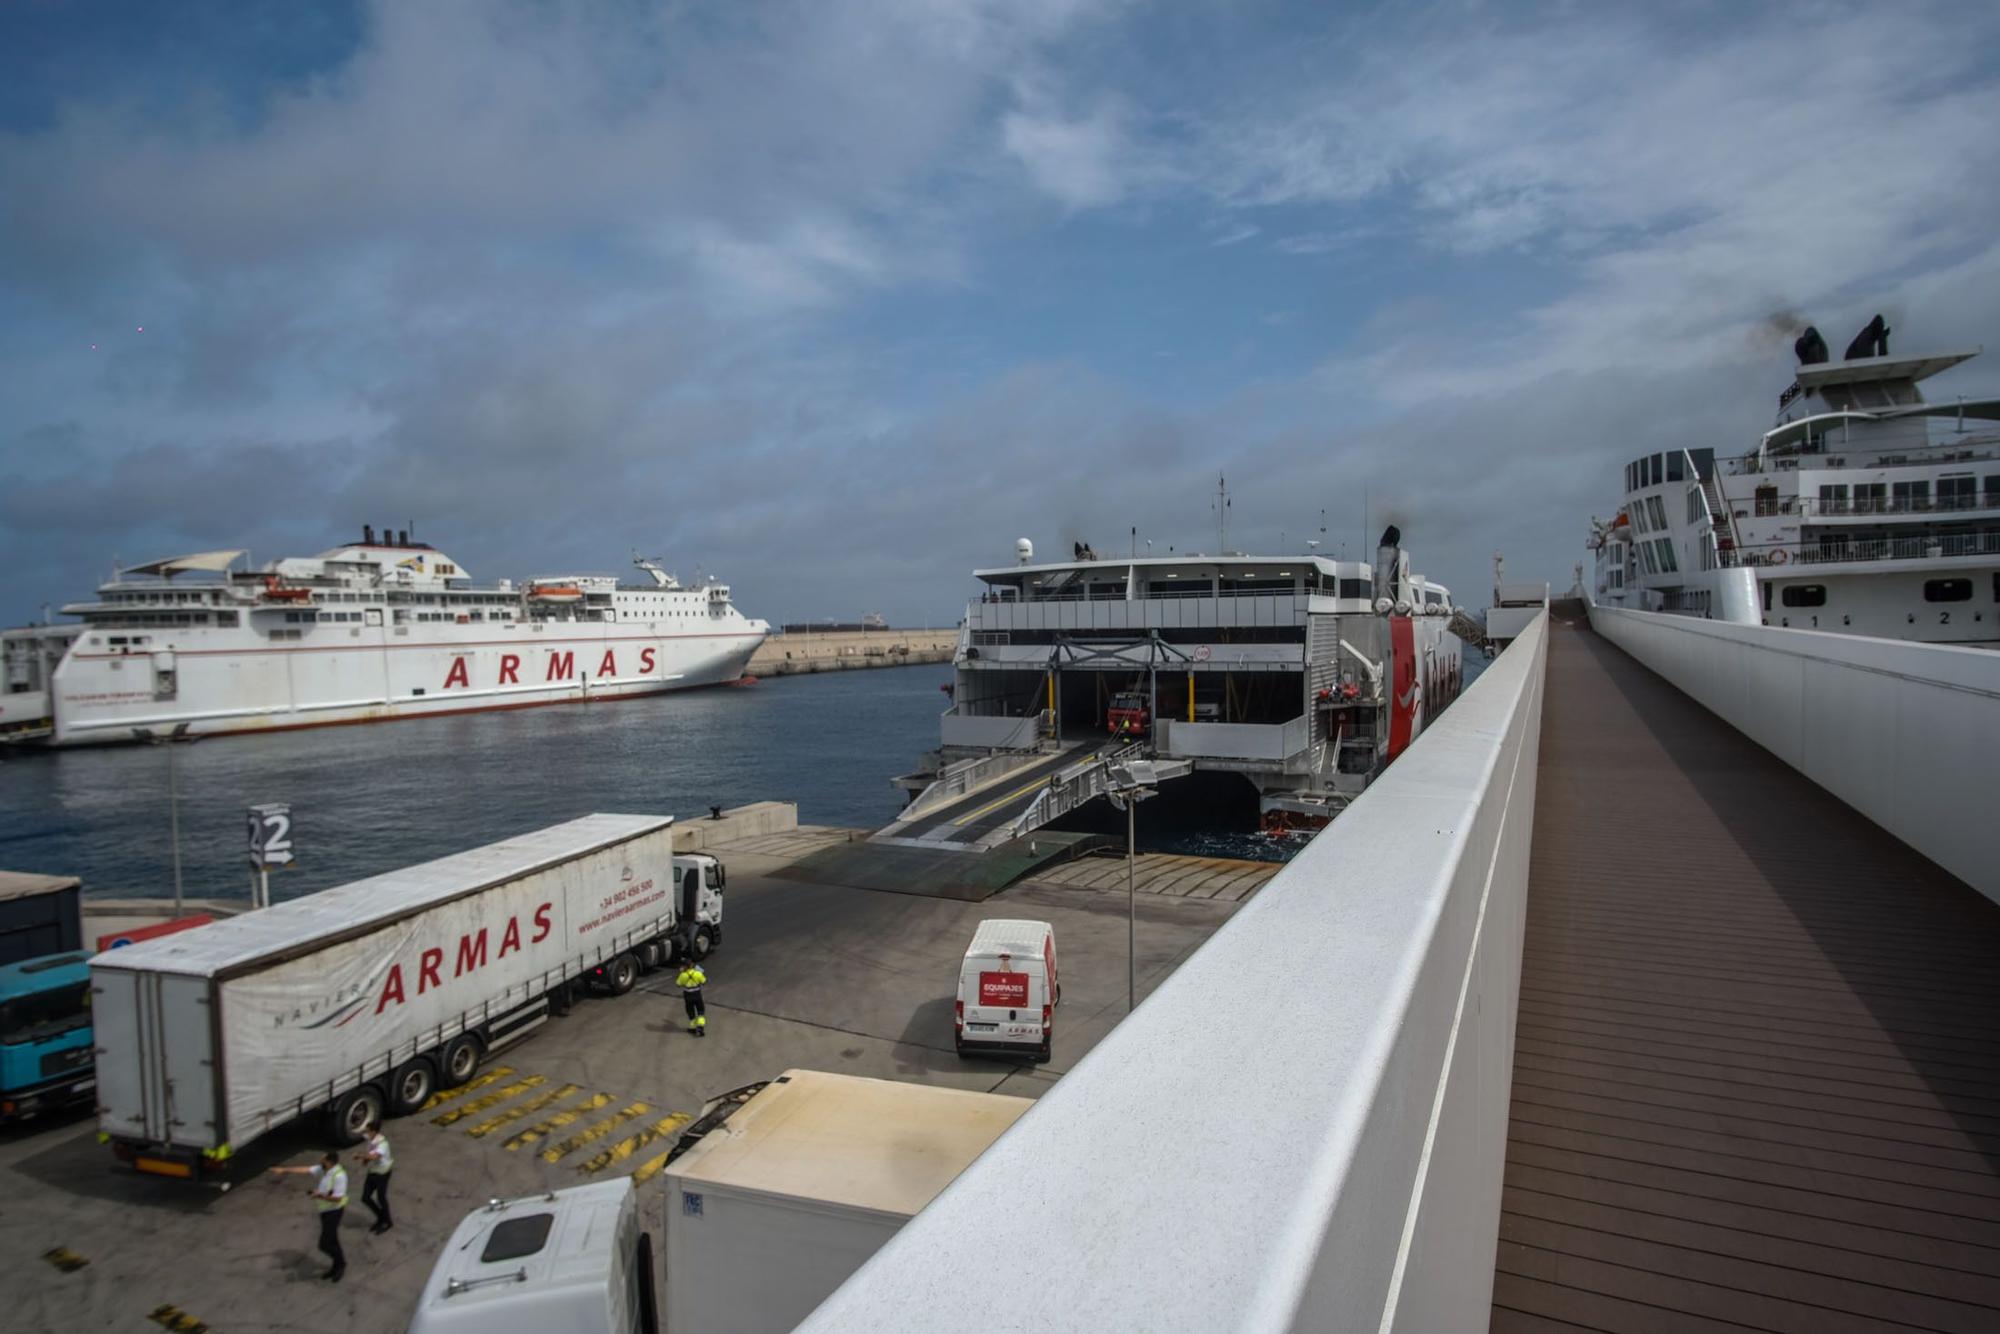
(1131, 783)
(179, 735)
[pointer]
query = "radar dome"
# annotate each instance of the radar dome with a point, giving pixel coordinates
(1024, 550)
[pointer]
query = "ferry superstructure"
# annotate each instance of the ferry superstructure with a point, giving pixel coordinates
(379, 629)
(1302, 674)
(1864, 510)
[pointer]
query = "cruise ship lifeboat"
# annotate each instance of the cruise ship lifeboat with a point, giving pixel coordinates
(556, 593)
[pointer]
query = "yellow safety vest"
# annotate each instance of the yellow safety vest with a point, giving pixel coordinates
(332, 1192)
(691, 978)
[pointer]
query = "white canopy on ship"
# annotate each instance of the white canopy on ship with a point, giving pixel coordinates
(201, 560)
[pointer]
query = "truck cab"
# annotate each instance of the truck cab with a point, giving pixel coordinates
(1129, 714)
(45, 1034)
(699, 881)
(573, 1259)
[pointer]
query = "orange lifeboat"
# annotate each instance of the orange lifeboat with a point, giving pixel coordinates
(556, 593)
(277, 592)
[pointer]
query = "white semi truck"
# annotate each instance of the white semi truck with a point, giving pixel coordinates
(782, 1195)
(361, 1001)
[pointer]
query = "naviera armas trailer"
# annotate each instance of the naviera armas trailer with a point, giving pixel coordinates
(362, 1000)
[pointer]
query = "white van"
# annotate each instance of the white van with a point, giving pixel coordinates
(1008, 990)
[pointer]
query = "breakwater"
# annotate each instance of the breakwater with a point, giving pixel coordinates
(848, 650)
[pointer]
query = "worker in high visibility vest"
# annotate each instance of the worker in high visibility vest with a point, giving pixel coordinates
(329, 1197)
(690, 981)
(378, 1162)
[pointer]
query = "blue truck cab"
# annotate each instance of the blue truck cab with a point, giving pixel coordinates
(46, 1058)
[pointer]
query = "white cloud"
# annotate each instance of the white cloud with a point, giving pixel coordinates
(1080, 162)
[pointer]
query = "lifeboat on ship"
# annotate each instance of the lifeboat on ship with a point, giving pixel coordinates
(555, 593)
(277, 592)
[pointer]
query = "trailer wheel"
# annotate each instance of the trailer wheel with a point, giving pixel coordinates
(620, 974)
(349, 1116)
(703, 942)
(411, 1086)
(459, 1059)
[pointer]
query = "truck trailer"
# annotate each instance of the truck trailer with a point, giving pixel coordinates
(360, 1001)
(780, 1197)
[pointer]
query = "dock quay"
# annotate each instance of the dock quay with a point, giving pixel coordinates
(804, 651)
(1589, 1014)
(814, 976)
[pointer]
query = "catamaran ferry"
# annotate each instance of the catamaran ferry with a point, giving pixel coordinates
(380, 629)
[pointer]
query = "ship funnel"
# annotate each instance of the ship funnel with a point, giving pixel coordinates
(367, 535)
(402, 537)
(1388, 562)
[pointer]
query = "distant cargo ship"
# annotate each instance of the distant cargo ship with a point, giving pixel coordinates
(376, 630)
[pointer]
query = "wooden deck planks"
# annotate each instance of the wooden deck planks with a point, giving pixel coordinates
(1757, 1060)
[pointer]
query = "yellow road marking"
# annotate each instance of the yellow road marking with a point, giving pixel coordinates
(480, 1104)
(534, 1104)
(625, 1148)
(565, 1117)
(1002, 801)
(599, 1131)
(65, 1259)
(480, 1081)
(172, 1317)
(650, 1168)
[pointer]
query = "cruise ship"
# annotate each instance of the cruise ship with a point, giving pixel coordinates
(1866, 509)
(1299, 675)
(380, 629)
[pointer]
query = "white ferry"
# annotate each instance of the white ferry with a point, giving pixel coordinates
(1300, 674)
(1864, 510)
(381, 629)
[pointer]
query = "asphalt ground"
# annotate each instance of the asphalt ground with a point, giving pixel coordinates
(810, 976)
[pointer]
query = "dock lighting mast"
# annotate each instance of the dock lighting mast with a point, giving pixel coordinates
(176, 737)
(1131, 783)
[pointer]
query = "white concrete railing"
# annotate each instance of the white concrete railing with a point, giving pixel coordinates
(1305, 1126)
(1906, 734)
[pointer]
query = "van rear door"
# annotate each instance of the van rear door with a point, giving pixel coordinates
(1003, 1000)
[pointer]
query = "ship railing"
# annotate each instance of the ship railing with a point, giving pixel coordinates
(1841, 550)
(1845, 506)
(1879, 447)
(1071, 788)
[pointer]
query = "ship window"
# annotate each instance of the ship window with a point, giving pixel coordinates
(1868, 497)
(225, 618)
(1956, 493)
(1993, 491)
(1675, 462)
(1805, 595)
(1767, 501)
(1911, 496)
(1947, 590)
(1656, 470)
(1658, 508)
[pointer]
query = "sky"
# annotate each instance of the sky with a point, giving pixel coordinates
(835, 301)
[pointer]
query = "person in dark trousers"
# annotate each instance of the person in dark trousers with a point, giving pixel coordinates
(691, 980)
(377, 1163)
(329, 1197)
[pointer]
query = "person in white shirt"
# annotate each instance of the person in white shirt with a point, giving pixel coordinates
(378, 1163)
(329, 1197)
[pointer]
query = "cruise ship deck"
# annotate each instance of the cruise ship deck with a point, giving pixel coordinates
(1757, 1064)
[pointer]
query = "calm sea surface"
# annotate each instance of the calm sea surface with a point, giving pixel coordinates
(370, 799)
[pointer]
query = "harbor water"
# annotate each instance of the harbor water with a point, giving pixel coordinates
(373, 798)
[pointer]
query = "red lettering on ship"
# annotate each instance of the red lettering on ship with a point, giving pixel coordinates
(456, 676)
(645, 660)
(609, 667)
(562, 666)
(509, 665)
(471, 957)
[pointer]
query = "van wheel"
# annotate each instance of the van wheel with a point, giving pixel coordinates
(411, 1086)
(703, 942)
(1042, 1053)
(349, 1116)
(620, 974)
(459, 1060)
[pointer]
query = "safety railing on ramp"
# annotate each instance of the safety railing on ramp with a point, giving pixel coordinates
(1907, 734)
(1303, 1127)
(1070, 789)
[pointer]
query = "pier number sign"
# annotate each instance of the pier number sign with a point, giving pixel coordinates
(271, 834)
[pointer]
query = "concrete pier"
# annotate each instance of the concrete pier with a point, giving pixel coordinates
(850, 650)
